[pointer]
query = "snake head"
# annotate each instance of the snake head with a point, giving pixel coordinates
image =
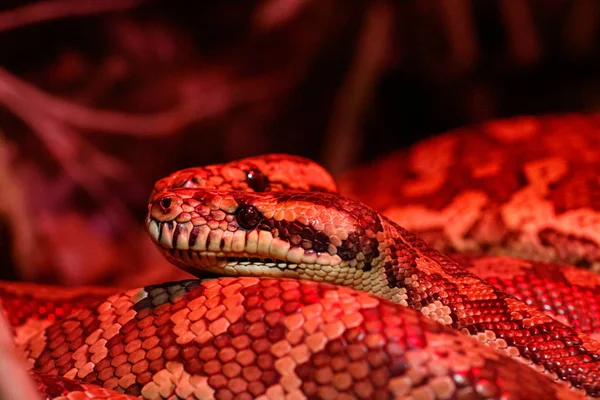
(317, 236)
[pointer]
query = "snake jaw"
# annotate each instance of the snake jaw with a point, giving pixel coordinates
(317, 235)
(215, 250)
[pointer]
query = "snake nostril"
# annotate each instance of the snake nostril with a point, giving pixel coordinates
(165, 203)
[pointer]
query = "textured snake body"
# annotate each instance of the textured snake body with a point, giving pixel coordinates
(566, 292)
(525, 187)
(301, 338)
(31, 307)
(360, 249)
(52, 387)
(275, 338)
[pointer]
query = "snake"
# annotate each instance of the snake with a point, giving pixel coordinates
(524, 186)
(304, 293)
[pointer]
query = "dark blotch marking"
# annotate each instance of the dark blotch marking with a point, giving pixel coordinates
(320, 242)
(144, 303)
(311, 239)
(55, 386)
(403, 264)
(359, 242)
(160, 229)
(194, 235)
(321, 189)
(298, 234)
(176, 234)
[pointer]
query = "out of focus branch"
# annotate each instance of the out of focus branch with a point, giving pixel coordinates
(460, 28)
(52, 120)
(15, 383)
(13, 208)
(523, 40)
(344, 139)
(581, 28)
(209, 103)
(56, 9)
(13, 91)
(82, 163)
(272, 14)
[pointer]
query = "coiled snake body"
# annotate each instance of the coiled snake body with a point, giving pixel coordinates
(377, 312)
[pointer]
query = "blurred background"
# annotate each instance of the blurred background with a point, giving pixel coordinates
(100, 98)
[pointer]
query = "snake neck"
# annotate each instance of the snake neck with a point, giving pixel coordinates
(425, 280)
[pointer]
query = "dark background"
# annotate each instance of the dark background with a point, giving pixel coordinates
(98, 99)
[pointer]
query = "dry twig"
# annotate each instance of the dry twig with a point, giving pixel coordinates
(49, 10)
(15, 383)
(14, 209)
(344, 138)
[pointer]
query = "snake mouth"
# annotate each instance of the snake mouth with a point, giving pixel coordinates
(200, 263)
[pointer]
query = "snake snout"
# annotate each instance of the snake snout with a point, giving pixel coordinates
(164, 214)
(166, 207)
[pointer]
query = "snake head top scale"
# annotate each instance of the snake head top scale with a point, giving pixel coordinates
(273, 172)
(318, 236)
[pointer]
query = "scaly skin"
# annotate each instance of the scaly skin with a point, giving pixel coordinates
(566, 292)
(16, 383)
(265, 338)
(525, 187)
(271, 172)
(57, 388)
(351, 245)
(325, 237)
(175, 338)
(29, 308)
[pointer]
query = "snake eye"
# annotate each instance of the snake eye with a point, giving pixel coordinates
(165, 203)
(257, 181)
(248, 217)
